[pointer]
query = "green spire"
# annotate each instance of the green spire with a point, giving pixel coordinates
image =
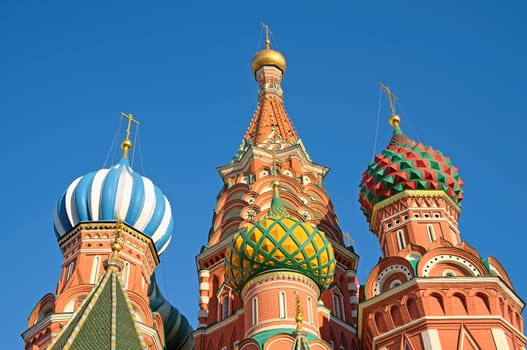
(103, 321)
(277, 206)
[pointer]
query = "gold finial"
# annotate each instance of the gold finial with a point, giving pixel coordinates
(394, 119)
(276, 183)
(116, 245)
(267, 32)
(127, 144)
(298, 318)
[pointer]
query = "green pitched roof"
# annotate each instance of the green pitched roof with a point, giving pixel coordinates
(103, 321)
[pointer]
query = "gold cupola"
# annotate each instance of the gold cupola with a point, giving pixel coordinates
(268, 56)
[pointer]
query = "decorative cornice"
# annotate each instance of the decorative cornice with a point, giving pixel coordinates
(453, 283)
(45, 322)
(110, 225)
(412, 193)
(445, 319)
(280, 275)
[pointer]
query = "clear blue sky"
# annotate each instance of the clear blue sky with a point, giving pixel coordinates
(182, 68)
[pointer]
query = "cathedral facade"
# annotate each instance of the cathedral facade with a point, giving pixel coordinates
(274, 271)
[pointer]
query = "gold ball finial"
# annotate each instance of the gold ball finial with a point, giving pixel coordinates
(116, 247)
(395, 121)
(268, 56)
(126, 144)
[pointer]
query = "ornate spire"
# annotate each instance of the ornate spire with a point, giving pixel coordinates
(126, 145)
(301, 342)
(268, 56)
(394, 119)
(113, 263)
(277, 208)
(267, 32)
(298, 317)
(270, 126)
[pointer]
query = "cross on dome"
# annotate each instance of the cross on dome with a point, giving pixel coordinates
(127, 144)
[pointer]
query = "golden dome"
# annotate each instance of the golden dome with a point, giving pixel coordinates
(268, 57)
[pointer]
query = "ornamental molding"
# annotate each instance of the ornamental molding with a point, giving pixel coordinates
(412, 193)
(445, 320)
(387, 272)
(449, 258)
(458, 282)
(110, 226)
(282, 275)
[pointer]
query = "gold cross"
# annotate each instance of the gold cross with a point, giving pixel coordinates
(391, 97)
(131, 120)
(267, 32)
(116, 245)
(349, 240)
(299, 314)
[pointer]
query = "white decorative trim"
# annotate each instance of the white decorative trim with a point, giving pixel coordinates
(500, 339)
(387, 272)
(456, 260)
(431, 339)
(204, 299)
(204, 286)
(204, 273)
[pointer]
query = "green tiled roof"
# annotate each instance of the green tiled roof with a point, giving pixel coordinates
(103, 321)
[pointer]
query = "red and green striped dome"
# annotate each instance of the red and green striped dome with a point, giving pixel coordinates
(407, 165)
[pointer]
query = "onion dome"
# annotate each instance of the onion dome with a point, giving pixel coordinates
(268, 56)
(407, 165)
(178, 331)
(279, 242)
(117, 193)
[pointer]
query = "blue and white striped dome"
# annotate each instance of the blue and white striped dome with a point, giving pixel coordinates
(117, 192)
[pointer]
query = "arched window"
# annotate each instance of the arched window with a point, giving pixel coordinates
(255, 311)
(309, 310)
(225, 305)
(282, 305)
(431, 233)
(401, 242)
(126, 274)
(70, 270)
(337, 305)
(95, 269)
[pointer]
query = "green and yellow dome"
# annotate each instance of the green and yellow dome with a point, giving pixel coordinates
(279, 242)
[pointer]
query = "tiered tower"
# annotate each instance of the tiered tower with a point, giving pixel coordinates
(111, 226)
(430, 290)
(275, 239)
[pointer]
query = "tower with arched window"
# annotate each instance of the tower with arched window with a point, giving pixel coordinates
(430, 290)
(274, 237)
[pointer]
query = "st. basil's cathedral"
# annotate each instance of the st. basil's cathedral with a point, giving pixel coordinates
(274, 272)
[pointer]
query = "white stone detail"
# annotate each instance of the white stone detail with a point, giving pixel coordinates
(500, 339)
(204, 273)
(431, 339)
(352, 286)
(390, 270)
(204, 299)
(204, 286)
(456, 260)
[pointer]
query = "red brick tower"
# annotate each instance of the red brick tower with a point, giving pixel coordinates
(430, 290)
(111, 226)
(257, 310)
